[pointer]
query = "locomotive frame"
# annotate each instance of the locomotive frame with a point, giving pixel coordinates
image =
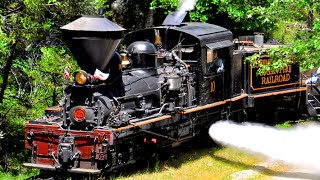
(177, 99)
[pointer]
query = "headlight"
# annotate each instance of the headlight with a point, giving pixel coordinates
(79, 114)
(81, 77)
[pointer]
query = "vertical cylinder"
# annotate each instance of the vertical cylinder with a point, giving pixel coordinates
(258, 40)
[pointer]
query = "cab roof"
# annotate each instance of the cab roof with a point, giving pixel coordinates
(204, 33)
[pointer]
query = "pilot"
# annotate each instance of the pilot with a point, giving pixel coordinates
(217, 64)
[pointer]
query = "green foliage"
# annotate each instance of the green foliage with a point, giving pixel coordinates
(285, 125)
(244, 15)
(248, 13)
(23, 174)
(32, 58)
(296, 24)
(54, 59)
(46, 75)
(167, 5)
(201, 11)
(12, 147)
(288, 21)
(299, 26)
(304, 49)
(5, 43)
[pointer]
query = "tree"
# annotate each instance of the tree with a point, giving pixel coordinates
(131, 14)
(297, 24)
(288, 21)
(240, 16)
(32, 57)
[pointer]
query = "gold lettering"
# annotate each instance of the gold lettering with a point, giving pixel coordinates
(264, 62)
(282, 75)
(290, 69)
(263, 80)
(282, 70)
(288, 77)
(275, 79)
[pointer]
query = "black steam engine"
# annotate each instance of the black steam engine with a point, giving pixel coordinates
(157, 92)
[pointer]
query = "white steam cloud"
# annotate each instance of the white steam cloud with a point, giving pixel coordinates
(186, 5)
(299, 145)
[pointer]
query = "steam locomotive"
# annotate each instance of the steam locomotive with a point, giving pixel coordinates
(157, 92)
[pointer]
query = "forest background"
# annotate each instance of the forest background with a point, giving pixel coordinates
(33, 55)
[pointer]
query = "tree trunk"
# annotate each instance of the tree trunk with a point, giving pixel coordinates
(6, 73)
(310, 20)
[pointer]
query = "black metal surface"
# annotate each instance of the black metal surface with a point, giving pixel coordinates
(220, 44)
(235, 73)
(203, 32)
(143, 54)
(200, 29)
(174, 18)
(140, 81)
(92, 41)
(142, 47)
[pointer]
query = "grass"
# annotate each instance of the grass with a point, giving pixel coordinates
(205, 163)
(23, 174)
(187, 162)
(210, 163)
(214, 162)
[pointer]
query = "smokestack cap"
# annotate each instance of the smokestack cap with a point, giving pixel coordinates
(94, 26)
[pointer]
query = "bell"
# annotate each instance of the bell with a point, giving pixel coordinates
(125, 61)
(157, 38)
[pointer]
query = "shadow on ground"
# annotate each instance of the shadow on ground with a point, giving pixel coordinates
(168, 157)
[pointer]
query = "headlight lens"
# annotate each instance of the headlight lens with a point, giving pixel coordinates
(81, 77)
(79, 114)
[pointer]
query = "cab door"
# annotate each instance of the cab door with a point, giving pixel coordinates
(213, 80)
(213, 86)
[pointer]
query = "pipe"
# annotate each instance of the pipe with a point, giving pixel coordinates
(148, 117)
(178, 59)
